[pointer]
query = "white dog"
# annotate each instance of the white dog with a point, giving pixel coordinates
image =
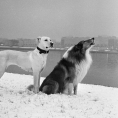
(33, 61)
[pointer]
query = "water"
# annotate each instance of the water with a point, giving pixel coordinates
(103, 71)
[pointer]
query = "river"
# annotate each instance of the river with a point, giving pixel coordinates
(103, 71)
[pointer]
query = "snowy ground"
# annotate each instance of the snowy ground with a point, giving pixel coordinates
(91, 102)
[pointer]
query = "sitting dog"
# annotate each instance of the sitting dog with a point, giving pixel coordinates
(71, 70)
(33, 61)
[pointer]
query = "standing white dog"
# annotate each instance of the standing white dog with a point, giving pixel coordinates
(33, 61)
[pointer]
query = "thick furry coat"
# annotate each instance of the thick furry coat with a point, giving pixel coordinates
(70, 70)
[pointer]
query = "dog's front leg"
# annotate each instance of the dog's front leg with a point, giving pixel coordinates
(70, 88)
(39, 80)
(36, 82)
(75, 89)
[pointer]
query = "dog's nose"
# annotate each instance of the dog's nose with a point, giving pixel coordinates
(92, 41)
(51, 44)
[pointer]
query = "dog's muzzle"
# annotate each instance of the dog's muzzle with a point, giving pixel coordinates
(92, 41)
(51, 44)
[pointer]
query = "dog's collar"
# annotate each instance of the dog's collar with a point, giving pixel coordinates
(42, 51)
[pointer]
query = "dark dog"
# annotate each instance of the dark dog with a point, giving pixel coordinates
(71, 69)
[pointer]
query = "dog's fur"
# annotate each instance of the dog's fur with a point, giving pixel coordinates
(33, 61)
(71, 70)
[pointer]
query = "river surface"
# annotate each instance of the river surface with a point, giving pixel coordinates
(103, 71)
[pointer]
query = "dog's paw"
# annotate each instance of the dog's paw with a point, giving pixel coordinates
(30, 88)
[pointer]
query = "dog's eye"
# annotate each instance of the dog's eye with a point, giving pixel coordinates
(46, 40)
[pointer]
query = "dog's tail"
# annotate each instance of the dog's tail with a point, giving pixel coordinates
(50, 87)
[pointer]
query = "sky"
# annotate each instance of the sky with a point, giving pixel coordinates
(58, 18)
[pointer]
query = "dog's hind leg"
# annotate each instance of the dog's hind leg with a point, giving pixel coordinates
(75, 89)
(2, 72)
(51, 87)
(2, 69)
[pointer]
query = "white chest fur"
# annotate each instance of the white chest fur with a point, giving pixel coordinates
(38, 60)
(82, 68)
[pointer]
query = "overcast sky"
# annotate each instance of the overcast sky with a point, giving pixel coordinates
(58, 18)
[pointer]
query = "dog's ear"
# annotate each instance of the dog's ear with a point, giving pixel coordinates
(38, 39)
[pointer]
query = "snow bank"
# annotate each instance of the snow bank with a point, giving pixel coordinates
(92, 101)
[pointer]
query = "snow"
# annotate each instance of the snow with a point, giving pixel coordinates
(92, 101)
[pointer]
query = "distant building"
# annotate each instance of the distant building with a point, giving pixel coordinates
(2, 41)
(113, 43)
(18, 42)
(56, 44)
(9, 42)
(69, 41)
(21, 42)
(27, 42)
(103, 42)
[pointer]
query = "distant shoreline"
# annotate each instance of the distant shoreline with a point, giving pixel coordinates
(53, 49)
